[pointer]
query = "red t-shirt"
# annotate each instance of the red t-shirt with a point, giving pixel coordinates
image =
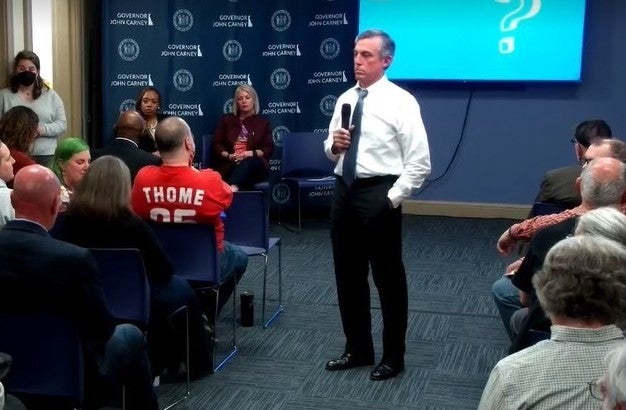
(182, 194)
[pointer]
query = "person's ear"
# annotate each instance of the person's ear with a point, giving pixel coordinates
(577, 185)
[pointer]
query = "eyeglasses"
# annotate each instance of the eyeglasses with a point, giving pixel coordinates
(584, 161)
(596, 390)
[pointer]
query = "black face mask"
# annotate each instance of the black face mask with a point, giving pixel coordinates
(25, 78)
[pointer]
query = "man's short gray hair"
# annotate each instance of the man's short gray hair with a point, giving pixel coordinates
(584, 277)
(387, 46)
(596, 190)
(606, 221)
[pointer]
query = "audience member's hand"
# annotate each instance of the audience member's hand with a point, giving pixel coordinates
(241, 156)
(513, 267)
(341, 140)
(505, 244)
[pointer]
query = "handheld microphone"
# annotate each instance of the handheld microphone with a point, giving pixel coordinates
(345, 115)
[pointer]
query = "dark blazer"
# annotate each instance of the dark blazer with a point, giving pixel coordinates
(558, 187)
(41, 274)
(127, 151)
(125, 231)
(226, 133)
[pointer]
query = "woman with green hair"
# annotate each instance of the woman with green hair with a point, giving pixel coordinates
(69, 163)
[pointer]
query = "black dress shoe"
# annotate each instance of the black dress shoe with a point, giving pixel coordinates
(348, 361)
(386, 371)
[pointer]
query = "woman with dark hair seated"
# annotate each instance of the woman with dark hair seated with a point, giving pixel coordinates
(148, 105)
(18, 130)
(100, 216)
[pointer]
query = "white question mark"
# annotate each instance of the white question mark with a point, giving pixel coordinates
(511, 20)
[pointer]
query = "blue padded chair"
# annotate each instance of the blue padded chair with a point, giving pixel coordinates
(305, 165)
(47, 357)
(247, 226)
(124, 283)
(192, 248)
(207, 140)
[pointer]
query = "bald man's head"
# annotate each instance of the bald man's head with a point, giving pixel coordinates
(603, 182)
(129, 125)
(35, 195)
(174, 140)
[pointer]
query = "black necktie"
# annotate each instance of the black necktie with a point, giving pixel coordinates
(349, 159)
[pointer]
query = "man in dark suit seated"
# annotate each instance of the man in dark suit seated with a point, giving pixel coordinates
(128, 128)
(42, 274)
(557, 186)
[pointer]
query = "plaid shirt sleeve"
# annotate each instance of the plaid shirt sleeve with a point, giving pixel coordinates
(525, 230)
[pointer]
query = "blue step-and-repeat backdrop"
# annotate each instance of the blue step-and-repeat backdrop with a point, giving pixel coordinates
(297, 54)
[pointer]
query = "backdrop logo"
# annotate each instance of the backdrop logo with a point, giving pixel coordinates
(232, 50)
(131, 19)
(327, 105)
(327, 77)
(282, 107)
(278, 134)
(228, 106)
(184, 110)
(183, 80)
(128, 49)
(280, 79)
(281, 193)
(329, 19)
(329, 48)
(183, 20)
(233, 21)
(281, 20)
(127, 104)
(280, 50)
(230, 80)
(132, 80)
(182, 50)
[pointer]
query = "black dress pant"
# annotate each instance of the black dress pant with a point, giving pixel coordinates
(366, 232)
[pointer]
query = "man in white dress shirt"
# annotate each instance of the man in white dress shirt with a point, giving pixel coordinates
(381, 158)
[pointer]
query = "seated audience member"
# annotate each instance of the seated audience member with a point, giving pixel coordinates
(148, 104)
(603, 183)
(6, 175)
(100, 216)
(242, 142)
(128, 128)
(558, 184)
(606, 221)
(611, 388)
(505, 294)
(62, 278)
(18, 130)
(212, 195)
(69, 163)
(582, 288)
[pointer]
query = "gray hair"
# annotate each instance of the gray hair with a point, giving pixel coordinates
(606, 221)
(614, 381)
(250, 90)
(603, 182)
(616, 148)
(387, 46)
(584, 277)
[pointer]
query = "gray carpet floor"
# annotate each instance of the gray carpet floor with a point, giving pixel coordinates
(454, 336)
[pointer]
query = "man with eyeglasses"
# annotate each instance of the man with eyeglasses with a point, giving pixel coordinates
(505, 294)
(557, 186)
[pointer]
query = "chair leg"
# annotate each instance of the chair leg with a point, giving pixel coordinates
(233, 350)
(187, 359)
(279, 309)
